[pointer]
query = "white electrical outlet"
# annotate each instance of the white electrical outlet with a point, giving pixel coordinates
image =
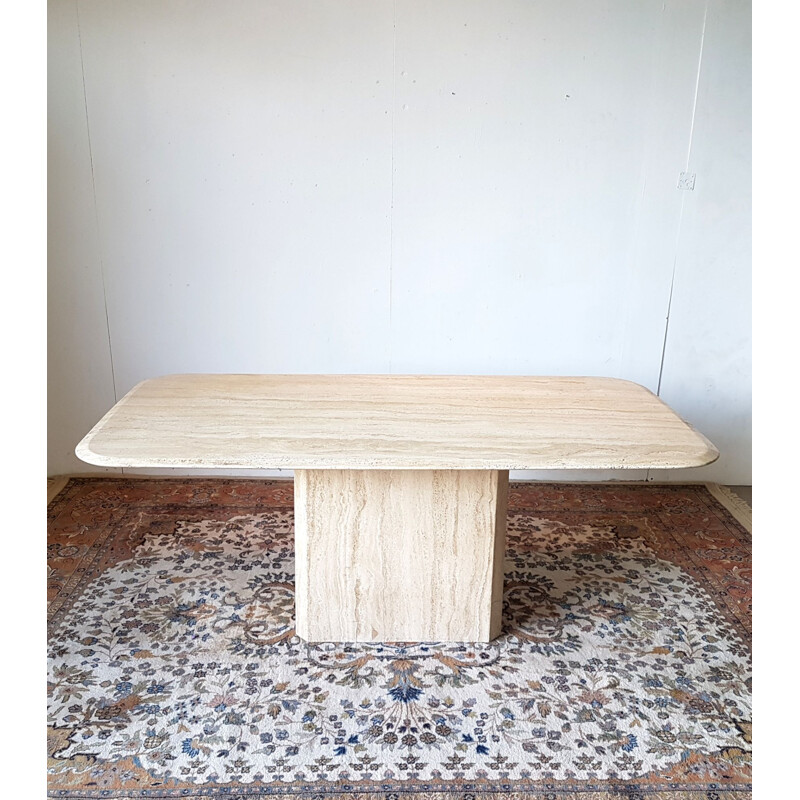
(686, 180)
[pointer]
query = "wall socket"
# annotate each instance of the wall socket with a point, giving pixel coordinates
(686, 180)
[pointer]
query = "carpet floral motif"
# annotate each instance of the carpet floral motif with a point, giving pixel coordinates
(173, 661)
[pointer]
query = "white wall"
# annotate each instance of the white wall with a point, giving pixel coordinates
(79, 375)
(707, 365)
(409, 187)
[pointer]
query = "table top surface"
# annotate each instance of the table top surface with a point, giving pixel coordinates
(393, 422)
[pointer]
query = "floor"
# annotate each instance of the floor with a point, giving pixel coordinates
(745, 492)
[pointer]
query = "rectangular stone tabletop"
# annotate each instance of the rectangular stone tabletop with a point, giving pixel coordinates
(393, 422)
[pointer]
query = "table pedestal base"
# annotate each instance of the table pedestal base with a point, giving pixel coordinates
(399, 555)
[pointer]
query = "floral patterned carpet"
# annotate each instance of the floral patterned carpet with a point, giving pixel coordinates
(622, 670)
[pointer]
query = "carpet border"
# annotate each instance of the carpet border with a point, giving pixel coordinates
(620, 793)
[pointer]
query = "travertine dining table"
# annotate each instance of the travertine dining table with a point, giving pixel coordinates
(400, 481)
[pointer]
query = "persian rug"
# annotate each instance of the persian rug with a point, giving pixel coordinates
(623, 668)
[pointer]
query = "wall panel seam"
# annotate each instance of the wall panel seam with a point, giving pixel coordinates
(94, 200)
